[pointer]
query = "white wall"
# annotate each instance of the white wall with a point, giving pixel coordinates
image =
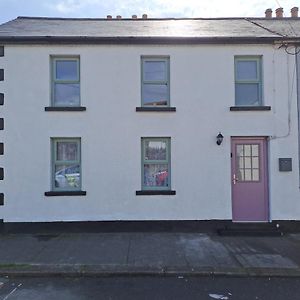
(202, 90)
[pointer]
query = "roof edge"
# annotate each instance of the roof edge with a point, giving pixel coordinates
(149, 19)
(139, 40)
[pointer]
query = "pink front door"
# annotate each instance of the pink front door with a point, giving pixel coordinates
(249, 179)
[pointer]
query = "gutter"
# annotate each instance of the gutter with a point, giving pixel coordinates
(290, 42)
(137, 40)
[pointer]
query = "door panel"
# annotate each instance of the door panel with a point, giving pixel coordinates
(249, 180)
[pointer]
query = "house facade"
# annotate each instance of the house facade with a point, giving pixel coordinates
(149, 119)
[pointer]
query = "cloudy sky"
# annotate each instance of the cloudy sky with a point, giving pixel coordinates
(10, 9)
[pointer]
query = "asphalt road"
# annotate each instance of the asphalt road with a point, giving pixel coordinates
(130, 288)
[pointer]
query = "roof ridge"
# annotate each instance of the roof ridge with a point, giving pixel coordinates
(154, 19)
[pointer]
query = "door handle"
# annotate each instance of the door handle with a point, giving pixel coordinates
(235, 180)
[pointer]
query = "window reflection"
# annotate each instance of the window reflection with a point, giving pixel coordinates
(156, 175)
(66, 70)
(155, 150)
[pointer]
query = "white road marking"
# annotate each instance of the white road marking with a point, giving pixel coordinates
(6, 297)
(220, 297)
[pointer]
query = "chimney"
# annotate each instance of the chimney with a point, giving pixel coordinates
(134, 16)
(119, 17)
(268, 13)
(144, 16)
(279, 12)
(109, 17)
(294, 12)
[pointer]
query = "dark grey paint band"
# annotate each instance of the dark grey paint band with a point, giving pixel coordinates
(1, 99)
(139, 40)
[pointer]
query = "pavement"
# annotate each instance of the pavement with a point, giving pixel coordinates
(148, 253)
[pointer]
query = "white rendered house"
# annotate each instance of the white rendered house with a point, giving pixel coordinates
(149, 119)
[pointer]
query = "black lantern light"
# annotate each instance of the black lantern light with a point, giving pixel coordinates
(219, 139)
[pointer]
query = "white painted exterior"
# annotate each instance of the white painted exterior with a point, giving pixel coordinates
(202, 90)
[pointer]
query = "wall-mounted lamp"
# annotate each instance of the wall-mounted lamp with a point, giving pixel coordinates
(219, 139)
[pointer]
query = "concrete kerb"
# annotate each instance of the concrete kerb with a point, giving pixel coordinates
(65, 270)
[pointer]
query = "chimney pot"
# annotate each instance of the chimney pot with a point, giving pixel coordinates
(268, 13)
(144, 16)
(134, 16)
(294, 12)
(279, 12)
(109, 17)
(119, 17)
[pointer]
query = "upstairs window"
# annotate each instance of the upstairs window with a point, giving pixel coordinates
(248, 81)
(65, 82)
(155, 82)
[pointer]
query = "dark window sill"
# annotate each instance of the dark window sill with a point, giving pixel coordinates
(250, 108)
(65, 108)
(65, 193)
(154, 192)
(156, 108)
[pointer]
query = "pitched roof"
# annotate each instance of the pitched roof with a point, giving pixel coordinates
(220, 30)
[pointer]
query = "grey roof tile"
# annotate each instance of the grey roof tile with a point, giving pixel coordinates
(286, 27)
(235, 28)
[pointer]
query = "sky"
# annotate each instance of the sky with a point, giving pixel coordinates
(10, 9)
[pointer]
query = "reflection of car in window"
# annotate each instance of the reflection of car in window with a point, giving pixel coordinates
(161, 178)
(68, 177)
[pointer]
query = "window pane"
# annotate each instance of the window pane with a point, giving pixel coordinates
(66, 151)
(248, 162)
(247, 94)
(255, 174)
(240, 174)
(254, 150)
(155, 175)
(66, 94)
(155, 94)
(247, 150)
(155, 70)
(239, 150)
(248, 174)
(66, 70)
(255, 162)
(155, 150)
(241, 163)
(67, 176)
(246, 70)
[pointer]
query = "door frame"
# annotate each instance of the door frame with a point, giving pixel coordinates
(265, 140)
